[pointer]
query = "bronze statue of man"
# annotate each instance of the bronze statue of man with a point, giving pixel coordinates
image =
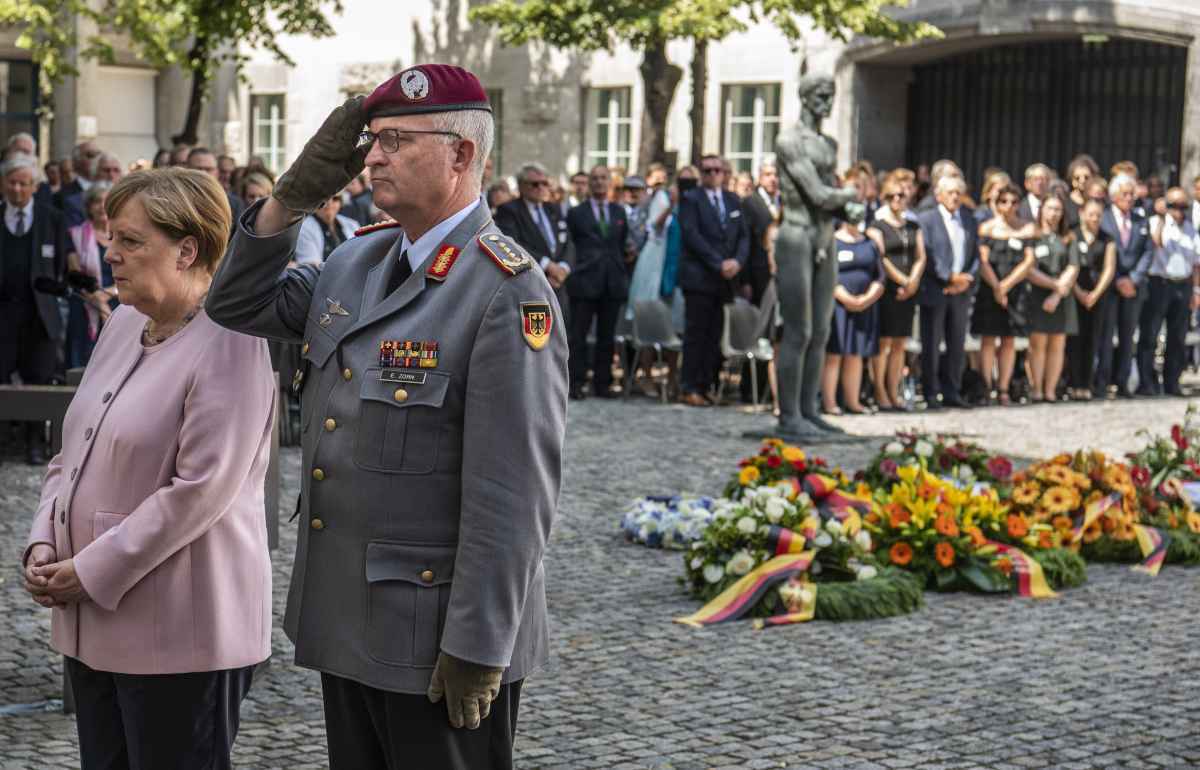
(807, 271)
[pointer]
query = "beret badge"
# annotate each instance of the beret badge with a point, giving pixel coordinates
(415, 84)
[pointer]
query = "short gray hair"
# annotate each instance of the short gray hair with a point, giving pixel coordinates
(950, 181)
(95, 194)
(530, 168)
(17, 162)
(1119, 181)
(12, 140)
(475, 125)
(94, 166)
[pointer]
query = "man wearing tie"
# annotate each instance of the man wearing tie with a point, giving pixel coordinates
(716, 245)
(1131, 232)
(952, 250)
(536, 224)
(599, 283)
(1037, 181)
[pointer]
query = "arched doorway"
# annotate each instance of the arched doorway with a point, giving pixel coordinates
(1046, 101)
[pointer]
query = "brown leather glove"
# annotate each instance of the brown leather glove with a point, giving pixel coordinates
(469, 689)
(328, 161)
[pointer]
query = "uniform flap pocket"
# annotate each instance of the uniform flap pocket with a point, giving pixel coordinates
(418, 563)
(405, 387)
(318, 346)
(103, 521)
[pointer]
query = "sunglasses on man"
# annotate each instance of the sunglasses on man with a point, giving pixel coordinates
(711, 170)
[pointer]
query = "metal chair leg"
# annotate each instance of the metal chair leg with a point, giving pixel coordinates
(754, 381)
(658, 359)
(629, 372)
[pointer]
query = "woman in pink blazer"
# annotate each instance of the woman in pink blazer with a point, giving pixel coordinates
(150, 540)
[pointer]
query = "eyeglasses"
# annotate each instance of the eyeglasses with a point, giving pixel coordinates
(540, 183)
(895, 196)
(711, 170)
(1179, 205)
(389, 138)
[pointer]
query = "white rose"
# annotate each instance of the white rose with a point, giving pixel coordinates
(741, 563)
(747, 525)
(803, 500)
(713, 573)
(894, 448)
(866, 573)
(775, 509)
(697, 562)
(863, 539)
(822, 540)
(833, 527)
(643, 534)
(965, 473)
(923, 449)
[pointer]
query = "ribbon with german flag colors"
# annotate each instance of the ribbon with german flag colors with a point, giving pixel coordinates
(1154, 543)
(781, 540)
(739, 598)
(833, 503)
(1031, 580)
(1094, 511)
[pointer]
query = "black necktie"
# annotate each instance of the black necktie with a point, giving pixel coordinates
(20, 223)
(399, 273)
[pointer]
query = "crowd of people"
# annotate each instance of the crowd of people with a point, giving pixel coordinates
(1054, 288)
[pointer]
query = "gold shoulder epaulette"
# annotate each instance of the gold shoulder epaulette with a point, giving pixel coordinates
(505, 252)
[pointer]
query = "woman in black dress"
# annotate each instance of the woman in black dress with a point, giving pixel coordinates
(855, 331)
(1004, 260)
(1097, 266)
(1080, 172)
(1051, 304)
(898, 238)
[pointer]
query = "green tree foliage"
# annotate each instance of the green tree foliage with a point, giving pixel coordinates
(196, 35)
(647, 26)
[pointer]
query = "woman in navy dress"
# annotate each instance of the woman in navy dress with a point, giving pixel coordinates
(855, 331)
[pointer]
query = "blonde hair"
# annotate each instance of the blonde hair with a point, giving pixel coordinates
(180, 202)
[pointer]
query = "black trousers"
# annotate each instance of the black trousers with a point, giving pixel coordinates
(946, 322)
(702, 317)
(371, 729)
(149, 722)
(605, 312)
(1121, 318)
(25, 347)
(1168, 301)
(1083, 347)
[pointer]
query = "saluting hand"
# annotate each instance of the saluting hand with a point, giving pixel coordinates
(328, 162)
(468, 688)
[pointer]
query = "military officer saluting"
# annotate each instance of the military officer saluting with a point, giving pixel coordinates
(434, 385)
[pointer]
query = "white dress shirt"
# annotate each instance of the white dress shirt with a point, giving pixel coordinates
(420, 250)
(1035, 205)
(1176, 260)
(542, 222)
(10, 216)
(958, 238)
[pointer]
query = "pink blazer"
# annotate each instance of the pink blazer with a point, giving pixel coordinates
(158, 496)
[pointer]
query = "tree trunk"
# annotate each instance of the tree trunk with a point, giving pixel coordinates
(660, 78)
(699, 88)
(198, 53)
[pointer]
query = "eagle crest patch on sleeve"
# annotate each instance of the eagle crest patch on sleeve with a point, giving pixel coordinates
(537, 320)
(507, 255)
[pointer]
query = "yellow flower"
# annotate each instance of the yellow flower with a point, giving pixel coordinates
(1027, 493)
(748, 476)
(792, 453)
(1060, 499)
(1056, 475)
(908, 473)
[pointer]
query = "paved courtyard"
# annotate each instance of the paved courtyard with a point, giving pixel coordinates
(1104, 676)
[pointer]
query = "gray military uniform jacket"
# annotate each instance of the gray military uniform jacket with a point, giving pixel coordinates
(429, 482)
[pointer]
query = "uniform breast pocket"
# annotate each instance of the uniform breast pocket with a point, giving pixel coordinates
(400, 424)
(408, 589)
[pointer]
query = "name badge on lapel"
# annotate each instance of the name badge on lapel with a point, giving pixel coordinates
(734, 214)
(1015, 243)
(47, 251)
(1041, 252)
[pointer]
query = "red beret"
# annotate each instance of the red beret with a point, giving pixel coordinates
(427, 88)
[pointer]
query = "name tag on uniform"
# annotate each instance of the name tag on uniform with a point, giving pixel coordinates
(402, 375)
(1042, 251)
(1015, 243)
(1083, 247)
(845, 256)
(47, 251)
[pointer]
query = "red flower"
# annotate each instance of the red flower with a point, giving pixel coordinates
(819, 462)
(743, 462)
(1000, 468)
(1178, 437)
(774, 461)
(799, 465)
(1140, 475)
(946, 460)
(888, 468)
(957, 452)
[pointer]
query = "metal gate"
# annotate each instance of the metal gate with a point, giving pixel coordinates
(1011, 106)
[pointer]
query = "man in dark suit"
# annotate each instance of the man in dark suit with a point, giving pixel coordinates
(1037, 183)
(716, 246)
(599, 282)
(533, 222)
(762, 209)
(1131, 233)
(33, 244)
(941, 168)
(952, 250)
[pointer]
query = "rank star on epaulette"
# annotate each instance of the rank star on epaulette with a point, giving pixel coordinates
(504, 253)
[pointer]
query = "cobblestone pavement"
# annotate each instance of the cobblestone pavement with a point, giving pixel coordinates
(1104, 676)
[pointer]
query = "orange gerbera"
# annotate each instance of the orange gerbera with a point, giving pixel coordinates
(1056, 475)
(873, 517)
(1017, 526)
(1193, 521)
(1027, 493)
(1062, 459)
(1093, 532)
(1045, 539)
(977, 536)
(900, 554)
(927, 491)
(1004, 564)
(944, 553)
(946, 525)
(1062, 523)
(1060, 499)
(898, 515)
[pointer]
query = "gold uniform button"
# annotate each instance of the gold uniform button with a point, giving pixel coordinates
(318, 524)
(330, 424)
(400, 395)
(427, 576)
(318, 474)
(347, 375)
(304, 349)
